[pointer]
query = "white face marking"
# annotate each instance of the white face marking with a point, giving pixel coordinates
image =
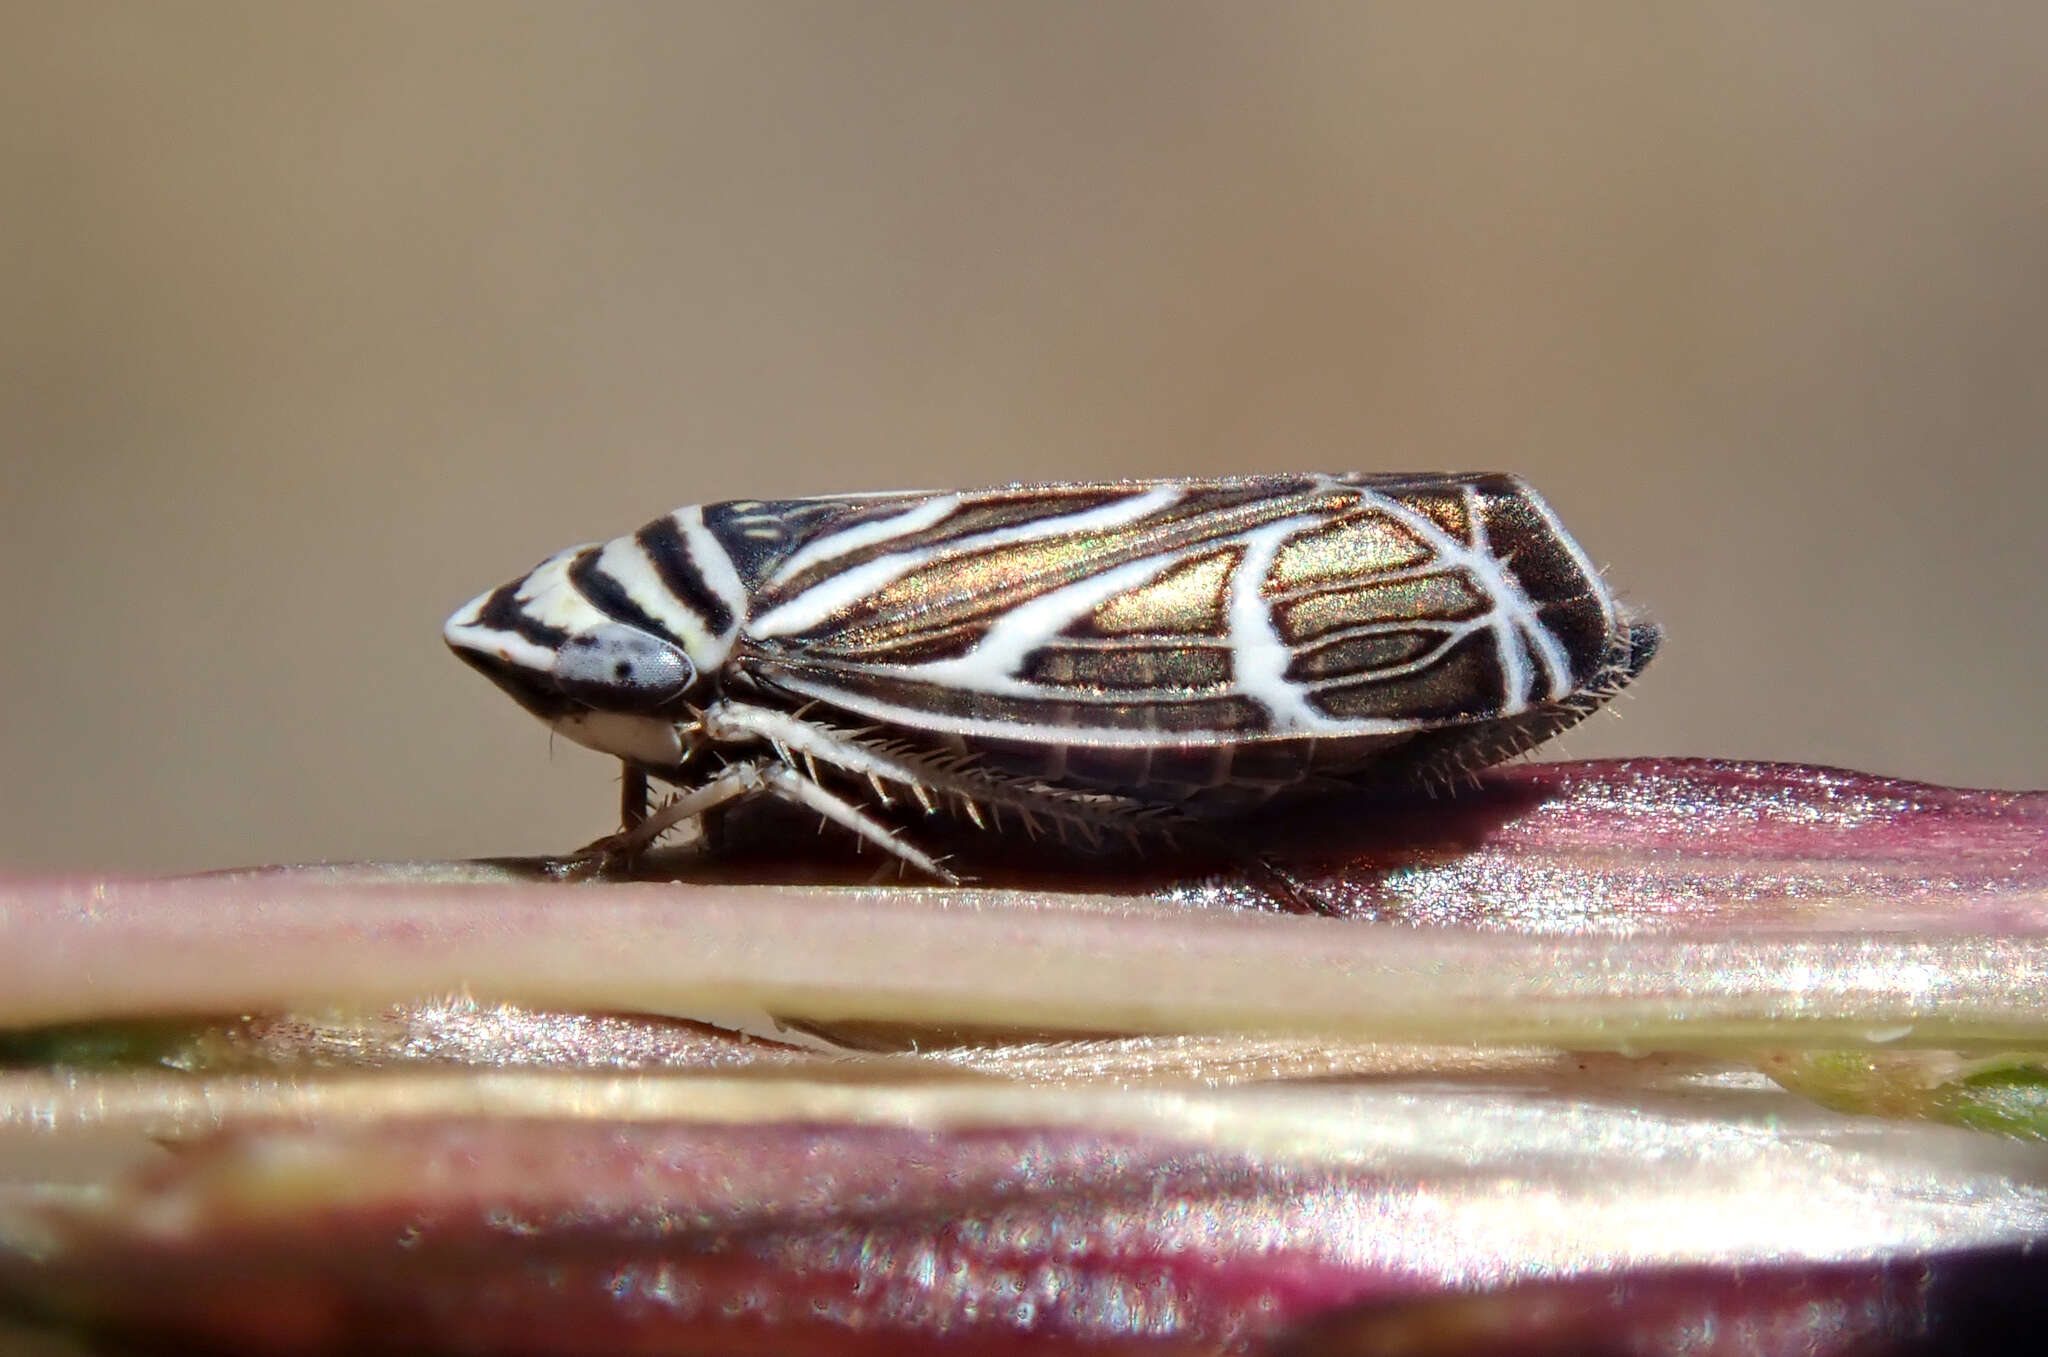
(714, 566)
(464, 632)
(626, 561)
(829, 595)
(547, 596)
(643, 739)
(837, 544)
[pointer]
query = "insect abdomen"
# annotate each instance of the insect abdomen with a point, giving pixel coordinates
(1208, 779)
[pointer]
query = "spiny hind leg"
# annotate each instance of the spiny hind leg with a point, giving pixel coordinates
(797, 740)
(799, 790)
(743, 781)
(644, 827)
(977, 795)
(634, 806)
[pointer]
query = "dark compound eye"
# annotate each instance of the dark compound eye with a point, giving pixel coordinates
(616, 668)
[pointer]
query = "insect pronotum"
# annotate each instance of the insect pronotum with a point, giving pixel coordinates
(1076, 658)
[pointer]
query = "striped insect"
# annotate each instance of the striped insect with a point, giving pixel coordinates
(1073, 658)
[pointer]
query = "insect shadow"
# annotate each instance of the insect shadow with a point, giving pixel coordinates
(1330, 856)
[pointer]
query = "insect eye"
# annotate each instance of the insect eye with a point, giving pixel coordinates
(618, 668)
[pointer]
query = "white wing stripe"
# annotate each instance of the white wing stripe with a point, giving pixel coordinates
(828, 596)
(626, 561)
(1513, 615)
(924, 719)
(992, 665)
(1554, 658)
(1258, 656)
(1452, 634)
(834, 545)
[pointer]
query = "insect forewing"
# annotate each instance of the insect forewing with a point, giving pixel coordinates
(1170, 614)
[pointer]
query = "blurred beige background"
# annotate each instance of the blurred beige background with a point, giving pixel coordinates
(317, 319)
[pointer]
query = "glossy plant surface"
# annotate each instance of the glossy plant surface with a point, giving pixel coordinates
(1649, 1057)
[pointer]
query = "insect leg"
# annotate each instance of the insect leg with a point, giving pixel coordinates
(753, 778)
(729, 721)
(795, 738)
(632, 795)
(741, 779)
(792, 786)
